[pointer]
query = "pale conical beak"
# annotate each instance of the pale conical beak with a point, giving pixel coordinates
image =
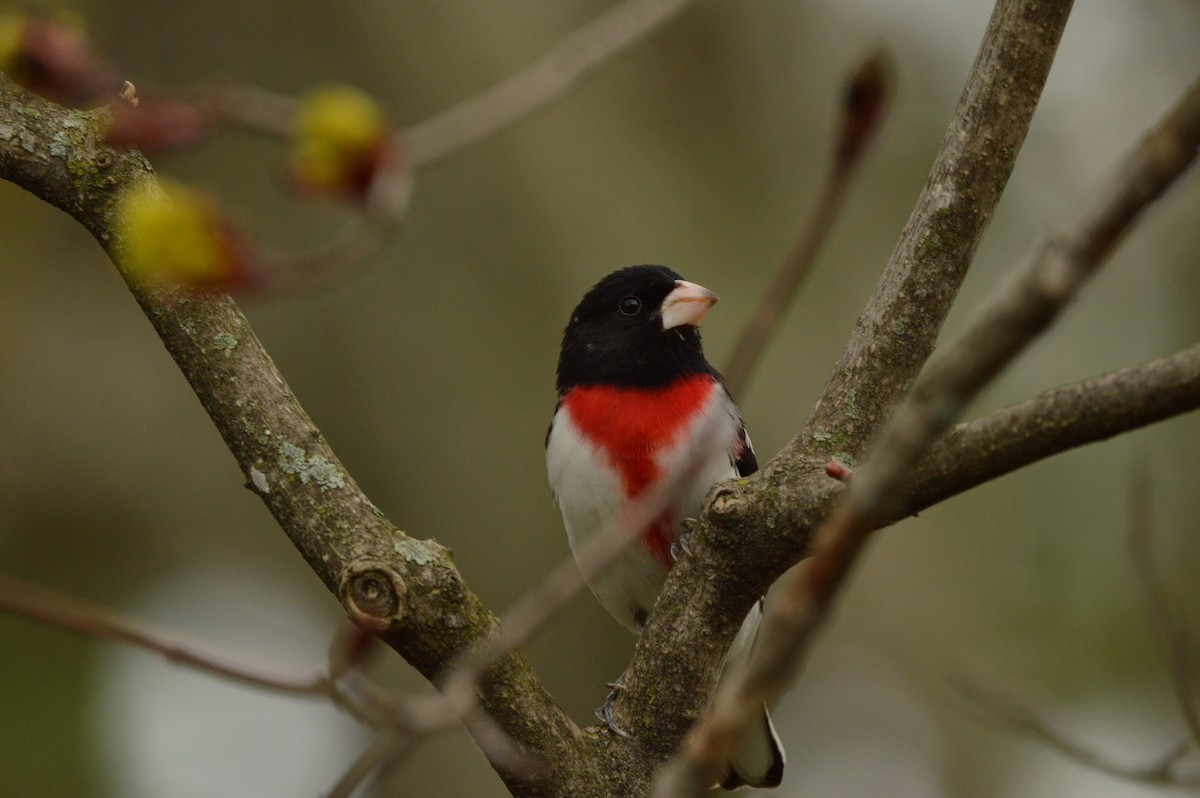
(686, 304)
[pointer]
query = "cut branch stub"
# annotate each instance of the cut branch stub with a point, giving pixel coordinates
(374, 595)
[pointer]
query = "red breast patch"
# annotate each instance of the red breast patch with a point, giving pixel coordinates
(632, 425)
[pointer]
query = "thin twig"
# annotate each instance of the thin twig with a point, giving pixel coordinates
(345, 686)
(864, 103)
(1021, 719)
(254, 109)
(1172, 632)
(572, 58)
(55, 609)
(1019, 313)
(384, 751)
(568, 61)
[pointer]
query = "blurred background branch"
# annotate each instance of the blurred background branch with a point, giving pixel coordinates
(1169, 623)
(865, 98)
(49, 607)
(545, 81)
(1168, 770)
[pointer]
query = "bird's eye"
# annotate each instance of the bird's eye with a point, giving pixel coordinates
(630, 305)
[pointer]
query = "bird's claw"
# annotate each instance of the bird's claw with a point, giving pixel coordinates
(679, 547)
(605, 712)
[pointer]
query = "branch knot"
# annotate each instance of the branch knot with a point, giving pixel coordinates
(374, 595)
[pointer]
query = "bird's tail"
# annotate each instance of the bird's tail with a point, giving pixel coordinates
(759, 759)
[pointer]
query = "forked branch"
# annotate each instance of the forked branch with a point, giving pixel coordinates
(1015, 317)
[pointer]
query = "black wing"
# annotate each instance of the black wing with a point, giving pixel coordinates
(550, 428)
(742, 457)
(744, 460)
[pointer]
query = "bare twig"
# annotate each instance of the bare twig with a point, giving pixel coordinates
(572, 58)
(1171, 630)
(1021, 719)
(254, 109)
(385, 750)
(568, 61)
(403, 718)
(272, 114)
(1018, 314)
(55, 609)
(344, 685)
(864, 103)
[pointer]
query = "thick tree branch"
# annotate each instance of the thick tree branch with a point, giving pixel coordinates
(755, 529)
(406, 590)
(1015, 317)
(897, 331)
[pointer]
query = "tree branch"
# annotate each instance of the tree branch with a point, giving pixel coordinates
(864, 103)
(753, 530)
(569, 60)
(1015, 317)
(898, 329)
(405, 590)
(1164, 771)
(1052, 422)
(48, 607)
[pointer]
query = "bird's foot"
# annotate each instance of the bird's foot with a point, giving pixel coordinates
(679, 547)
(605, 712)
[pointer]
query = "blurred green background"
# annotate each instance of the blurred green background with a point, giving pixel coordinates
(431, 373)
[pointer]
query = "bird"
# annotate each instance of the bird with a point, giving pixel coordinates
(642, 415)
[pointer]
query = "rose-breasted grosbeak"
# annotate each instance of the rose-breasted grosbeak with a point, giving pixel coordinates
(643, 416)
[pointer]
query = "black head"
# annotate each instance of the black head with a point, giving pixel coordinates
(635, 328)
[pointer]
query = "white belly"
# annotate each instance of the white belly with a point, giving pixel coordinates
(591, 496)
